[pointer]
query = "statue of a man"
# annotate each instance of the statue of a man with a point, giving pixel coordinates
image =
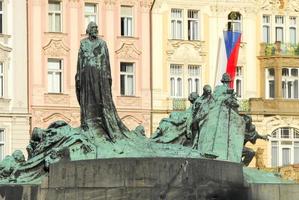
(93, 87)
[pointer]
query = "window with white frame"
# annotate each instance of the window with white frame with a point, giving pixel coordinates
(292, 30)
(176, 24)
(266, 28)
(193, 79)
(270, 83)
(234, 22)
(239, 82)
(126, 21)
(55, 75)
(193, 25)
(279, 28)
(290, 80)
(1, 17)
(2, 142)
(176, 80)
(54, 16)
(127, 79)
(2, 78)
(284, 146)
(90, 13)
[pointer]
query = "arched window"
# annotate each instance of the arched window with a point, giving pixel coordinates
(290, 80)
(234, 22)
(284, 146)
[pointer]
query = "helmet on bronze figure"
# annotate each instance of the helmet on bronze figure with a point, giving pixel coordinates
(226, 78)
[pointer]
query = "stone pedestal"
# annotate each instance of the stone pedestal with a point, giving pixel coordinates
(147, 179)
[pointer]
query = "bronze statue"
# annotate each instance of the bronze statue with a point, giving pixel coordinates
(93, 87)
(251, 135)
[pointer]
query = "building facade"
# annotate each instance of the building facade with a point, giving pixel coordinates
(55, 31)
(185, 46)
(14, 117)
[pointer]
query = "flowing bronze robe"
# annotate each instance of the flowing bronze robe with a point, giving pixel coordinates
(93, 88)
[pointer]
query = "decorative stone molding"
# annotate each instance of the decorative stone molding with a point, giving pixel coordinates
(129, 102)
(146, 4)
(55, 117)
(61, 99)
(225, 9)
(56, 48)
(4, 52)
(128, 51)
(42, 117)
(174, 45)
(110, 2)
(128, 2)
(278, 5)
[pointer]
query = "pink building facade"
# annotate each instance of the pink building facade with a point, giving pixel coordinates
(55, 30)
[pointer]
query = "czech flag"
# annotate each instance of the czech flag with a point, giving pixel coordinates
(228, 55)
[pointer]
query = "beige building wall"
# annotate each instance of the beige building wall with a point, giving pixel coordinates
(269, 114)
(62, 46)
(14, 117)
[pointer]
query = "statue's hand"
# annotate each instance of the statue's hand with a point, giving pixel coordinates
(265, 137)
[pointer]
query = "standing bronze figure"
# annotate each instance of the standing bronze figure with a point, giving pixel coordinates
(93, 87)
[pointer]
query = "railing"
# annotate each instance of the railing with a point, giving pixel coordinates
(243, 105)
(179, 104)
(274, 106)
(278, 48)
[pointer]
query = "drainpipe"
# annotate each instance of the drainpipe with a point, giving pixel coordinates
(151, 71)
(28, 74)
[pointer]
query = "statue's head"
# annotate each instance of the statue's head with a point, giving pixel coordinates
(92, 29)
(18, 156)
(207, 90)
(226, 78)
(192, 97)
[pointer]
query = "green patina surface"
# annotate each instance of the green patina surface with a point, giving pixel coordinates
(210, 128)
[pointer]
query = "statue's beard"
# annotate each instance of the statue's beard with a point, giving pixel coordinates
(93, 34)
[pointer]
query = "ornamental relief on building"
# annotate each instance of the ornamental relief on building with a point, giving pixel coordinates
(128, 51)
(60, 99)
(131, 121)
(110, 2)
(278, 5)
(43, 118)
(128, 102)
(56, 48)
(185, 49)
(274, 122)
(4, 52)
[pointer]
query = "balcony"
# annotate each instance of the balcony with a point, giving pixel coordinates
(279, 49)
(274, 106)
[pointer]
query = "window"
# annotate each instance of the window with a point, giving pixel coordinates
(176, 24)
(1, 17)
(54, 75)
(127, 79)
(270, 83)
(290, 80)
(176, 80)
(193, 25)
(126, 21)
(234, 22)
(238, 81)
(279, 24)
(54, 16)
(292, 29)
(2, 144)
(1, 79)
(266, 28)
(284, 146)
(193, 79)
(90, 13)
